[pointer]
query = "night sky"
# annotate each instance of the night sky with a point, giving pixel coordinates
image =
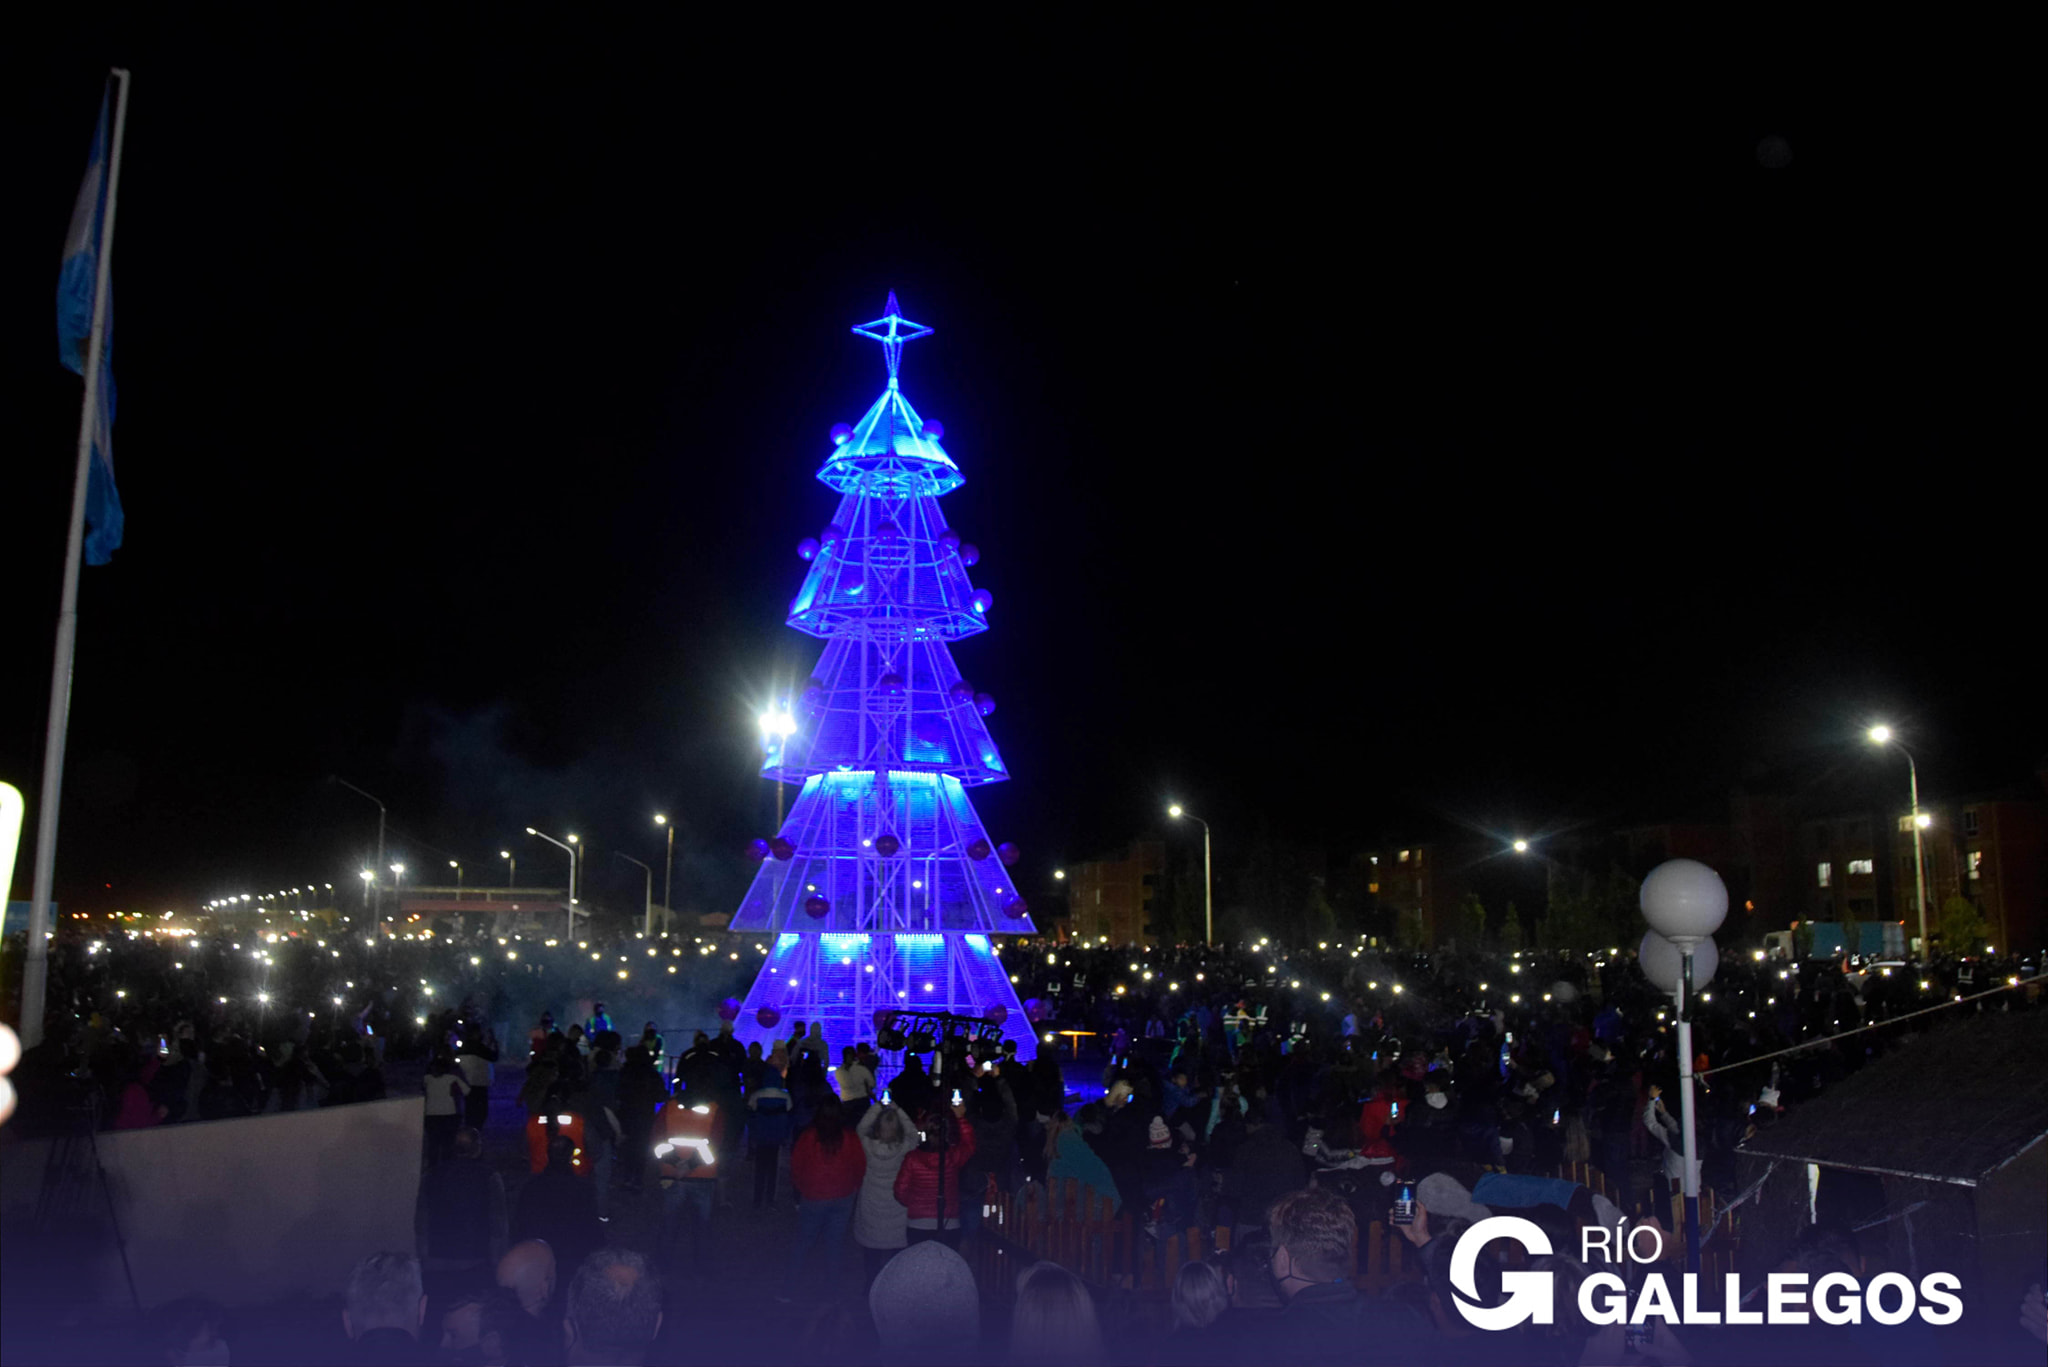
(1364, 428)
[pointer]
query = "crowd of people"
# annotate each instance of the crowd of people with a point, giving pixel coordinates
(1287, 1096)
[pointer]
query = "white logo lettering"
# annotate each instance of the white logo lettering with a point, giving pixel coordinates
(1527, 1293)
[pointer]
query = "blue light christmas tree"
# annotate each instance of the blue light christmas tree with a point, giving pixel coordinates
(882, 890)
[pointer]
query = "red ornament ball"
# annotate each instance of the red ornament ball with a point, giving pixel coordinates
(769, 1017)
(949, 540)
(984, 703)
(757, 850)
(816, 907)
(982, 601)
(1015, 909)
(887, 531)
(934, 430)
(832, 534)
(807, 549)
(887, 845)
(841, 434)
(970, 554)
(996, 1014)
(729, 1009)
(979, 850)
(1008, 852)
(892, 684)
(962, 691)
(781, 848)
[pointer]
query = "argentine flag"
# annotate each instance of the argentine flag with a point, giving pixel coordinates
(82, 245)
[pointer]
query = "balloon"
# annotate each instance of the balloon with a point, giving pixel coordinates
(1015, 909)
(768, 1016)
(1008, 852)
(969, 553)
(996, 1014)
(962, 691)
(807, 549)
(832, 534)
(949, 540)
(815, 907)
(892, 684)
(841, 434)
(781, 848)
(982, 601)
(886, 845)
(757, 850)
(729, 1009)
(979, 850)
(984, 703)
(1661, 962)
(934, 430)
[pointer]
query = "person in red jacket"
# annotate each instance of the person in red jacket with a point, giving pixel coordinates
(928, 1183)
(825, 1166)
(1380, 1119)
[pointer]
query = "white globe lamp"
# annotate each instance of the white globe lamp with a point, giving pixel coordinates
(1684, 901)
(1662, 962)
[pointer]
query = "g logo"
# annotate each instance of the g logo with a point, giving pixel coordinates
(1527, 1293)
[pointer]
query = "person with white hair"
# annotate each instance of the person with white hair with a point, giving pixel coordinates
(384, 1309)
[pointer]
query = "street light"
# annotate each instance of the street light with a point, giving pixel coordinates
(397, 877)
(1882, 735)
(1059, 875)
(456, 864)
(377, 897)
(777, 726)
(1686, 902)
(668, 877)
(569, 850)
(1521, 847)
(512, 868)
(1177, 812)
(649, 928)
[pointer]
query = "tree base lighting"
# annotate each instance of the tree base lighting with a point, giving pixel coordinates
(881, 889)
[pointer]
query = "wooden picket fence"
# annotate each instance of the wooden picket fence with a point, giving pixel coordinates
(1069, 1224)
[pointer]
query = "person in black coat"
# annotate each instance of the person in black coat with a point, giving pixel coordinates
(560, 1208)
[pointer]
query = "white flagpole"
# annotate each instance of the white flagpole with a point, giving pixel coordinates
(36, 966)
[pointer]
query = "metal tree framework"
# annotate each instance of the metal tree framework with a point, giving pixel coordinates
(882, 889)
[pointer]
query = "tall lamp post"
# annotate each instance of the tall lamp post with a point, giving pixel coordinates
(376, 897)
(369, 892)
(511, 869)
(569, 850)
(1882, 735)
(397, 897)
(648, 930)
(1685, 902)
(668, 877)
(456, 864)
(1178, 812)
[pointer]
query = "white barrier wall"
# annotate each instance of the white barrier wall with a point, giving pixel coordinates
(248, 1210)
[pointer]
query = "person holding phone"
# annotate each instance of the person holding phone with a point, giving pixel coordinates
(928, 1184)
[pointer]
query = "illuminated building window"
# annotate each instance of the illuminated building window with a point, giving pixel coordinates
(1373, 888)
(1976, 863)
(1827, 873)
(1404, 856)
(1857, 866)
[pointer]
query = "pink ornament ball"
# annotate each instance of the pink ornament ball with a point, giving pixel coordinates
(996, 1014)
(1008, 852)
(768, 1017)
(982, 601)
(962, 691)
(978, 851)
(887, 845)
(729, 1009)
(949, 540)
(934, 430)
(985, 704)
(807, 549)
(757, 850)
(832, 534)
(841, 434)
(781, 848)
(816, 907)
(970, 554)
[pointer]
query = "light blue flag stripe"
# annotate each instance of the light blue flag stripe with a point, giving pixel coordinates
(75, 283)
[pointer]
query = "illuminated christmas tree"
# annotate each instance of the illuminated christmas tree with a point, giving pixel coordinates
(882, 891)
